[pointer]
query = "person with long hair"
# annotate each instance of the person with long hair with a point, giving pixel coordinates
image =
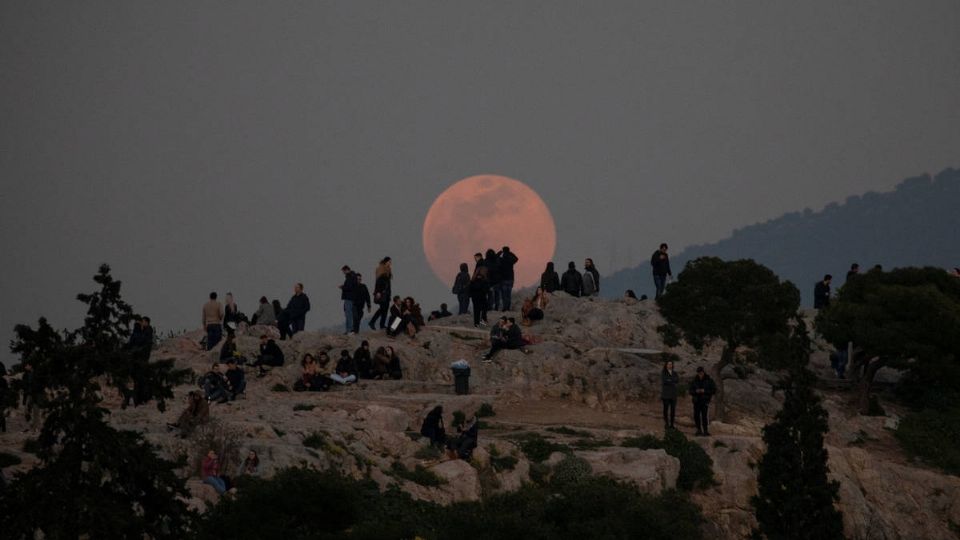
(479, 289)
(669, 379)
(533, 308)
(381, 293)
(550, 279)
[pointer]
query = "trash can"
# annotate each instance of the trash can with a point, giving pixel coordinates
(461, 380)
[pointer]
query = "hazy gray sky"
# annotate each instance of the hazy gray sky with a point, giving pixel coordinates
(245, 146)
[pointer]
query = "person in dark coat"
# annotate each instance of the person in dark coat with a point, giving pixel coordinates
(821, 293)
(506, 259)
(669, 379)
(348, 290)
(294, 317)
(463, 445)
(461, 288)
(549, 279)
(492, 262)
(270, 355)
(363, 360)
(660, 262)
(509, 337)
(381, 293)
(478, 295)
(236, 381)
(572, 281)
(346, 370)
(702, 388)
(361, 298)
(432, 427)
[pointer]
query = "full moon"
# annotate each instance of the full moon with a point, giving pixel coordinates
(489, 212)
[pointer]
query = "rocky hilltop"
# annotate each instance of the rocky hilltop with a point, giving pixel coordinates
(590, 383)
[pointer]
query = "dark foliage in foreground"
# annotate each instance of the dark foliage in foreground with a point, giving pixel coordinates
(303, 503)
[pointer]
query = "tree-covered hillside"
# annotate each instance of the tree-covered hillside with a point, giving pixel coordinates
(914, 225)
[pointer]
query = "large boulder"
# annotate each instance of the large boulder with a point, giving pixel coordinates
(651, 470)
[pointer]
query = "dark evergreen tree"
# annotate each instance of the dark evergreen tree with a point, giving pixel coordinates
(93, 480)
(795, 499)
(745, 306)
(908, 319)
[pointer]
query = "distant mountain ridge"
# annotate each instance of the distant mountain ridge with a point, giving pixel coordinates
(913, 225)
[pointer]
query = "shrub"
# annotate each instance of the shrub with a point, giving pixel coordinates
(874, 408)
(420, 475)
(537, 449)
(31, 446)
(590, 444)
(279, 387)
(485, 410)
(564, 430)
(303, 407)
(315, 440)
(458, 419)
(696, 467)
(933, 436)
(8, 460)
(571, 470)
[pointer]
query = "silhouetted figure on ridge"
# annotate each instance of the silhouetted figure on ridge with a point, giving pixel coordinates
(660, 262)
(572, 281)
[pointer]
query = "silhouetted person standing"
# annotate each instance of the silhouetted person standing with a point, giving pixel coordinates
(821, 293)
(506, 260)
(702, 388)
(572, 281)
(550, 279)
(461, 288)
(854, 270)
(213, 321)
(347, 292)
(590, 268)
(492, 262)
(381, 293)
(478, 295)
(361, 298)
(660, 262)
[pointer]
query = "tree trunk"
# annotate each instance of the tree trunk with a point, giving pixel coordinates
(719, 407)
(873, 365)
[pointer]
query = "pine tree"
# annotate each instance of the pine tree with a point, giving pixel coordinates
(93, 480)
(795, 499)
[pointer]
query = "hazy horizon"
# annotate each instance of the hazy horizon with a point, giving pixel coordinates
(244, 147)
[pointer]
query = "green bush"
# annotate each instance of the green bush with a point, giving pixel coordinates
(564, 430)
(8, 460)
(459, 418)
(314, 440)
(696, 467)
(31, 446)
(537, 449)
(485, 410)
(571, 470)
(304, 503)
(303, 407)
(279, 387)
(933, 436)
(420, 475)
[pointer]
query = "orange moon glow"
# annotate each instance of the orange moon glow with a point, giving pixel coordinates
(489, 212)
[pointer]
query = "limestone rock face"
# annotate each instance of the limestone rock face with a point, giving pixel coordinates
(589, 367)
(651, 470)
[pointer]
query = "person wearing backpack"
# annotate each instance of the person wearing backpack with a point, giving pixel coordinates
(461, 288)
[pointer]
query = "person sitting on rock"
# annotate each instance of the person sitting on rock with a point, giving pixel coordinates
(310, 380)
(432, 427)
(386, 364)
(412, 317)
(395, 324)
(346, 371)
(270, 355)
(463, 445)
(440, 313)
(196, 413)
(509, 337)
(364, 361)
(229, 348)
(534, 307)
(214, 385)
(265, 314)
(210, 472)
(236, 382)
